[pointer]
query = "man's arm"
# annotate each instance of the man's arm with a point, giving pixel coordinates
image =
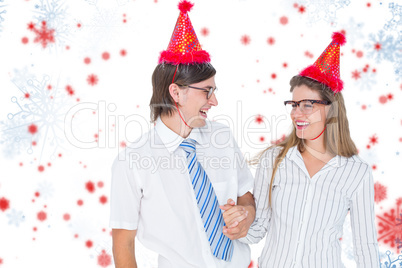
(123, 248)
(238, 218)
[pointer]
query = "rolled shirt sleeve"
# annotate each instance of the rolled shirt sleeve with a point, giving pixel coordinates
(125, 198)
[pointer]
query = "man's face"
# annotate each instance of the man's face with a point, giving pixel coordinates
(194, 104)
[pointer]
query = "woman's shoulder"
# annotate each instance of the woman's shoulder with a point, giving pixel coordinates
(356, 159)
(269, 155)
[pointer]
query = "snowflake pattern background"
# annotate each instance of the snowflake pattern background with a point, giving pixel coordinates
(54, 13)
(3, 11)
(44, 107)
(77, 90)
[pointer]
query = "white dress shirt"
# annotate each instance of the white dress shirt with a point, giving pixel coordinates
(305, 224)
(152, 193)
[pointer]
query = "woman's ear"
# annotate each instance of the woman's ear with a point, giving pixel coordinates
(174, 92)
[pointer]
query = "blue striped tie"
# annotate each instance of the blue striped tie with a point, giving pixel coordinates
(221, 245)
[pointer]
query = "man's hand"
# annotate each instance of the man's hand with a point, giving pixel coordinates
(238, 218)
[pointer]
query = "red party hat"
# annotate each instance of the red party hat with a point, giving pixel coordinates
(184, 47)
(326, 68)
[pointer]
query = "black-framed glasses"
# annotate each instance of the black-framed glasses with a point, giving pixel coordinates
(306, 106)
(210, 90)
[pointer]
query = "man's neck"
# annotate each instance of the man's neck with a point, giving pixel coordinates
(176, 124)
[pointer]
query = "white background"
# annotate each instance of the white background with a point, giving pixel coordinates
(122, 94)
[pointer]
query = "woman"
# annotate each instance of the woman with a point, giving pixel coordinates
(306, 185)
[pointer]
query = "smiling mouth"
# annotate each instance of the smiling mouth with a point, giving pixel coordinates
(302, 125)
(204, 113)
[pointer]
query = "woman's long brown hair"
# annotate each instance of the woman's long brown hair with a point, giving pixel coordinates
(336, 135)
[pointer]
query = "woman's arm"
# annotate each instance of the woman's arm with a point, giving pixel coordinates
(362, 219)
(262, 220)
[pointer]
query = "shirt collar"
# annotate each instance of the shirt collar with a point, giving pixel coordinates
(171, 140)
(294, 155)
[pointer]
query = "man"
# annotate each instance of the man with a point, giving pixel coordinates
(167, 186)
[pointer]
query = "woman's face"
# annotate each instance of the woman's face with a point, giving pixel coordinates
(308, 125)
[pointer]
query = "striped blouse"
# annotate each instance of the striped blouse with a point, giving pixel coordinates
(305, 224)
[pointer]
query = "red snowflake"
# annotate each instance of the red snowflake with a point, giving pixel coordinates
(383, 99)
(4, 204)
(380, 192)
(66, 217)
(302, 9)
(245, 40)
(262, 139)
(43, 35)
(390, 226)
(103, 199)
(308, 54)
(259, 119)
(41, 215)
(92, 79)
(205, 31)
(390, 96)
(356, 74)
(88, 244)
(283, 20)
(106, 55)
(377, 46)
(70, 90)
(32, 129)
(90, 186)
(374, 139)
(104, 259)
(271, 40)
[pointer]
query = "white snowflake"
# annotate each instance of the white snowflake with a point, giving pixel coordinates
(384, 47)
(43, 107)
(367, 80)
(54, 13)
(325, 10)
(395, 24)
(15, 217)
(353, 31)
(398, 69)
(389, 260)
(45, 189)
(14, 137)
(104, 25)
(2, 12)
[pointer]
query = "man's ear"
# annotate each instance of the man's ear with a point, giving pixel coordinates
(174, 92)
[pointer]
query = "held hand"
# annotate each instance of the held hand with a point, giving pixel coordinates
(237, 220)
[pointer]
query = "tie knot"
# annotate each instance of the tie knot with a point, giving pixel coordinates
(188, 145)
